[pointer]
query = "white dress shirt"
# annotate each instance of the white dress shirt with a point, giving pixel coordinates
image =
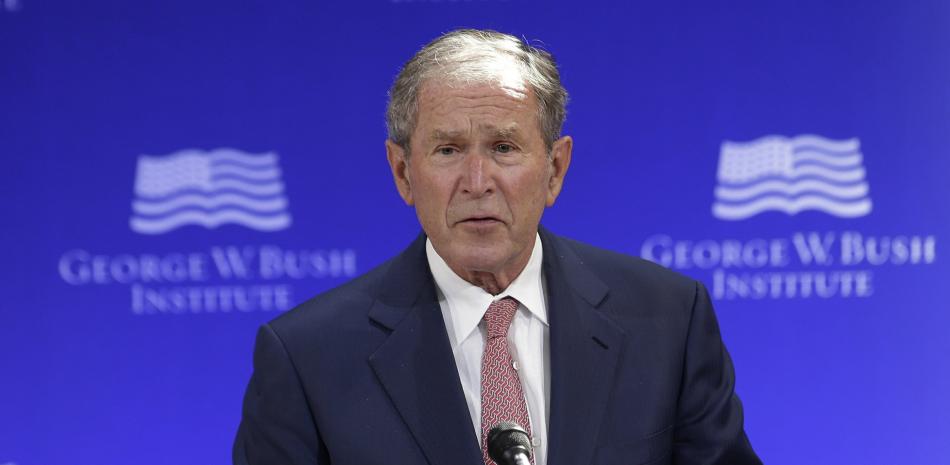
(463, 306)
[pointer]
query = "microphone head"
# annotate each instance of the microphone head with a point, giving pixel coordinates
(506, 436)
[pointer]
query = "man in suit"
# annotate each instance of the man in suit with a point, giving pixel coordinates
(603, 358)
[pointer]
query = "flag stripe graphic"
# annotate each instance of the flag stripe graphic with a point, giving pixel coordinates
(785, 179)
(210, 221)
(854, 159)
(263, 205)
(799, 164)
(262, 174)
(218, 156)
(811, 202)
(821, 172)
(221, 191)
(790, 189)
(791, 175)
(212, 186)
(228, 155)
(208, 189)
(803, 142)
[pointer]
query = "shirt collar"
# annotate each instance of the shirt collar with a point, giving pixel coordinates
(468, 303)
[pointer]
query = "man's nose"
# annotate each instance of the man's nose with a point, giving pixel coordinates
(477, 179)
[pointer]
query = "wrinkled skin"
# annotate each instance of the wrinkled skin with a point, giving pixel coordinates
(480, 177)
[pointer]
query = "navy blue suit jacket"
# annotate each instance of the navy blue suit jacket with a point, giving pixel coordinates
(364, 374)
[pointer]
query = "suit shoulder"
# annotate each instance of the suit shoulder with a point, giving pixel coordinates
(346, 305)
(600, 257)
(627, 272)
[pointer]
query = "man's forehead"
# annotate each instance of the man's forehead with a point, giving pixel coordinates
(448, 110)
(437, 93)
(501, 69)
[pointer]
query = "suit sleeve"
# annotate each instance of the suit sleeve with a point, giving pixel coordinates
(277, 427)
(709, 428)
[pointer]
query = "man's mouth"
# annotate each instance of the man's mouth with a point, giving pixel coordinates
(480, 221)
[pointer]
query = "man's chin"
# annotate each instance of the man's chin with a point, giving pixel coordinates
(480, 256)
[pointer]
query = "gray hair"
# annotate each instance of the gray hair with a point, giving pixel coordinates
(477, 56)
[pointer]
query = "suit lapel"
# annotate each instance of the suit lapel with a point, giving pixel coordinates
(585, 347)
(415, 364)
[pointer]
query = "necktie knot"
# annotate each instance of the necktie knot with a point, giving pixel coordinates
(499, 315)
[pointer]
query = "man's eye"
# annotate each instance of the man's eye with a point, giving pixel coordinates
(446, 151)
(504, 148)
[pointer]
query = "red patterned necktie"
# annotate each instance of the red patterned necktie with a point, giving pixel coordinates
(502, 395)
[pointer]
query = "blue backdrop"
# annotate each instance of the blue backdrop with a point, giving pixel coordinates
(177, 173)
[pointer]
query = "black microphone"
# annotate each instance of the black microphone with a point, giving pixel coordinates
(509, 444)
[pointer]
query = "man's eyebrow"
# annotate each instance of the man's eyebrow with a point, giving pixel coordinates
(440, 134)
(507, 132)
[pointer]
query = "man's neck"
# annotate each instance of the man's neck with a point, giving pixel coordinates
(495, 282)
(492, 283)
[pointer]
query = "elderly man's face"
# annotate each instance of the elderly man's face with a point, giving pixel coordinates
(479, 175)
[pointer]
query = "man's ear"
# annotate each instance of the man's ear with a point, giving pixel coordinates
(560, 160)
(399, 165)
